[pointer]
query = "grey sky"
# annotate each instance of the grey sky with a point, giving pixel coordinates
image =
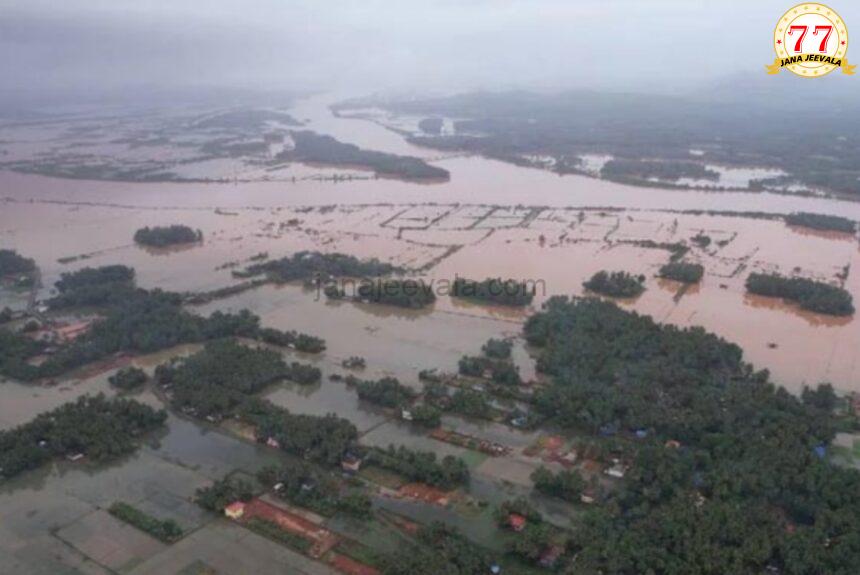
(397, 44)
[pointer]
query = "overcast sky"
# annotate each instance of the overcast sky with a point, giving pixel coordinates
(370, 45)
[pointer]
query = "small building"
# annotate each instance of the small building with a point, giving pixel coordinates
(406, 415)
(516, 522)
(495, 569)
(673, 444)
(272, 442)
(350, 463)
(75, 456)
(587, 498)
(235, 510)
(616, 470)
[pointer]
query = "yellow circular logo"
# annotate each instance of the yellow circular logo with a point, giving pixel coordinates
(810, 40)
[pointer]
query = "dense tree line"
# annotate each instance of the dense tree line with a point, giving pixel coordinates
(740, 488)
(624, 169)
(322, 439)
(439, 549)
(215, 381)
(320, 148)
(431, 126)
(387, 392)
(101, 429)
(812, 295)
(421, 466)
(299, 341)
(316, 265)
(498, 348)
(567, 484)
(12, 263)
(166, 530)
(616, 284)
(401, 293)
(164, 236)
(128, 378)
(821, 222)
(495, 291)
(683, 272)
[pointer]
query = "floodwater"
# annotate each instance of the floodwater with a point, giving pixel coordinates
(492, 219)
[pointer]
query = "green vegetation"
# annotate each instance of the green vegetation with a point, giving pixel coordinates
(304, 485)
(567, 484)
(439, 549)
(821, 222)
(682, 272)
(303, 373)
(431, 126)
(12, 264)
(495, 291)
(501, 372)
(101, 429)
(224, 492)
(811, 295)
(315, 265)
(400, 293)
(387, 392)
(625, 170)
(426, 415)
(616, 284)
(128, 378)
(471, 404)
(165, 236)
(498, 348)
(104, 286)
(421, 466)
(215, 381)
(749, 474)
(298, 341)
(318, 148)
(321, 439)
(166, 530)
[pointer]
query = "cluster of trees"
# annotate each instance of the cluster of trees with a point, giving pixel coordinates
(683, 272)
(471, 404)
(134, 320)
(498, 348)
(494, 290)
(401, 293)
(501, 371)
(421, 466)
(5, 315)
(128, 378)
(748, 474)
(324, 149)
(307, 486)
(166, 530)
(625, 169)
(307, 265)
(567, 484)
(387, 392)
(303, 373)
(616, 284)
(296, 340)
(535, 538)
(431, 126)
(426, 415)
(321, 439)
(164, 236)
(439, 549)
(223, 492)
(811, 295)
(101, 429)
(12, 263)
(215, 381)
(821, 222)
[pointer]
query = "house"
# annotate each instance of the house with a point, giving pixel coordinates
(406, 415)
(235, 510)
(516, 522)
(75, 456)
(616, 470)
(272, 442)
(495, 569)
(587, 498)
(673, 444)
(350, 463)
(550, 556)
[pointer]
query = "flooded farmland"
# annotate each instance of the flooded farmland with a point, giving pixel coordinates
(492, 219)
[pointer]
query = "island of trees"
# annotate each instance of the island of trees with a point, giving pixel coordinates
(726, 456)
(821, 222)
(616, 284)
(93, 426)
(133, 320)
(683, 272)
(401, 293)
(165, 530)
(627, 170)
(128, 378)
(16, 269)
(809, 294)
(494, 290)
(311, 147)
(318, 266)
(166, 236)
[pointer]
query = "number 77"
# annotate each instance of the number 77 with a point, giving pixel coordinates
(823, 47)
